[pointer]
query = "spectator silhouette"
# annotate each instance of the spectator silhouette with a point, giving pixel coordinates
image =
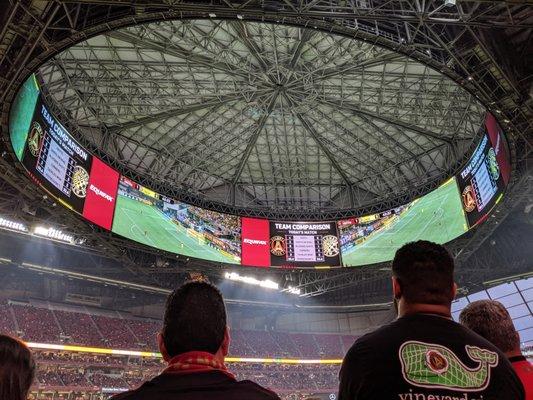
(194, 341)
(490, 319)
(424, 354)
(17, 369)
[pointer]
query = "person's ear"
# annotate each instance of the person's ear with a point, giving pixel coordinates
(454, 291)
(225, 342)
(162, 347)
(396, 288)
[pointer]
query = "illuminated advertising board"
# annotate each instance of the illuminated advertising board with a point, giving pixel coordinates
(437, 216)
(289, 244)
(90, 187)
(101, 194)
(255, 234)
(481, 182)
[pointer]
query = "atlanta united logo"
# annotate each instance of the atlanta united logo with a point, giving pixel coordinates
(469, 199)
(436, 362)
(277, 245)
(34, 139)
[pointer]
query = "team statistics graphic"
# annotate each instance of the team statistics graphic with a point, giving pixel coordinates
(437, 216)
(481, 182)
(56, 159)
(147, 217)
(289, 244)
(304, 243)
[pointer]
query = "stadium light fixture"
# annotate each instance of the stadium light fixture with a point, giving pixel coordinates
(54, 234)
(293, 290)
(267, 283)
(12, 225)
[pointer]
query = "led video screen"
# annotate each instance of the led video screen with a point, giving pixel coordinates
(90, 187)
(437, 216)
(147, 217)
(289, 244)
(21, 115)
(57, 162)
(481, 182)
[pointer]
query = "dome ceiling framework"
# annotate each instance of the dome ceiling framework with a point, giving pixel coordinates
(264, 116)
(488, 42)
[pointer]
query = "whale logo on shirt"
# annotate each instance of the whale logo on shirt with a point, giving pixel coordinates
(434, 366)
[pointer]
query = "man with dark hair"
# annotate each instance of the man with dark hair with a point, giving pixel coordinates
(424, 354)
(491, 320)
(194, 341)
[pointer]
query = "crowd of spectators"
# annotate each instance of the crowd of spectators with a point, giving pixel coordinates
(224, 224)
(113, 331)
(74, 371)
(289, 377)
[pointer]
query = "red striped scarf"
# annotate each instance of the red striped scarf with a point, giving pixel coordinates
(194, 362)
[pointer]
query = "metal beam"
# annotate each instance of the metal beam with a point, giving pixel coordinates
(332, 102)
(255, 135)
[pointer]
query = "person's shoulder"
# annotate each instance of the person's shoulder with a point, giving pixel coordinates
(134, 394)
(256, 391)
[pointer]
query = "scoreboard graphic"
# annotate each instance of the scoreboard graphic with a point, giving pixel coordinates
(94, 189)
(289, 244)
(480, 182)
(56, 160)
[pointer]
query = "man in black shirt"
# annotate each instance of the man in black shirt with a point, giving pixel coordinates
(194, 341)
(424, 354)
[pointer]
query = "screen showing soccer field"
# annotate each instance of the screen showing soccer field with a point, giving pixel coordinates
(85, 184)
(438, 216)
(55, 160)
(149, 218)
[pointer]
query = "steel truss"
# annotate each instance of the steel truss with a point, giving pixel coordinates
(455, 41)
(450, 40)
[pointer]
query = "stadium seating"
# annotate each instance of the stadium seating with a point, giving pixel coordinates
(115, 332)
(36, 324)
(73, 371)
(79, 374)
(46, 325)
(70, 323)
(306, 345)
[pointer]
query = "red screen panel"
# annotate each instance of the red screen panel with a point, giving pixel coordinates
(497, 140)
(255, 242)
(101, 194)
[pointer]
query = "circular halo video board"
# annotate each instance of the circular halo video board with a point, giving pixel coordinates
(88, 186)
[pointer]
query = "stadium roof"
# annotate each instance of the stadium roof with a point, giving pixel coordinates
(265, 116)
(495, 65)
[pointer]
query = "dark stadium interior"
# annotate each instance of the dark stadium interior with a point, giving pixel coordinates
(345, 112)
